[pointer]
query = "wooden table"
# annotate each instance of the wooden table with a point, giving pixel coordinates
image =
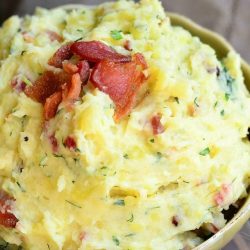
(231, 18)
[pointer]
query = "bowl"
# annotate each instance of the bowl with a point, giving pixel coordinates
(222, 47)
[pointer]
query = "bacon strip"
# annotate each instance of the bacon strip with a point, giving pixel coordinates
(84, 71)
(46, 85)
(95, 51)
(121, 81)
(51, 105)
(7, 219)
(62, 54)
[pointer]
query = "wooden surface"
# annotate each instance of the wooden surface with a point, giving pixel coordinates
(231, 18)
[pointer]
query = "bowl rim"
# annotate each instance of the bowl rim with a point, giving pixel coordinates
(243, 215)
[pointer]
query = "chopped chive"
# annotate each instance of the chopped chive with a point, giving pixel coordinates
(73, 204)
(126, 156)
(119, 203)
(222, 113)
(129, 235)
(48, 246)
(151, 208)
(177, 100)
(43, 161)
(152, 140)
(116, 240)
(227, 96)
(215, 104)
(158, 156)
(205, 152)
(116, 34)
(21, 188)
(131, 219)
(196, 103)
(26, 81)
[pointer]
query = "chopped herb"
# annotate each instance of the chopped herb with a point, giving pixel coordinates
(11, 132)
(205, 152)
(73, 204)
(158, 156)
(129, 235)
(79, 39)
(26, 138)
(77, 150)
(23, 52)
(222, 113)
(177, 100)
(104, 170)
(79, 30)
(215, 104)
(227, 96)
(195, 102)
(119, 203)
(116, 34)
(83, 12)
(26, 81)
(116, 240)
(48, 246)
(151, 208)
(152, 140)
(43, 161)
(126, 156)
(21, 188)
(131, 219)
(226, 80)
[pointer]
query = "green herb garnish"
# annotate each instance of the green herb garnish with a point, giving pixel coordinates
(196, 103)
(131, 219)
(129, 235)
(222, 113)
(177, 100)
(116, 34)
(151, 208)
(116, 240)
(152, 140)
(119, 203)
(73, 204)
(26, 81)
(126, 156)
(227, 96)
(205, 152)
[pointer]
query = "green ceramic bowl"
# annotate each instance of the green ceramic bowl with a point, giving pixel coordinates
(222, 47)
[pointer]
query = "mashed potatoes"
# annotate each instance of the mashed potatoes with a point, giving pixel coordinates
(122, 187)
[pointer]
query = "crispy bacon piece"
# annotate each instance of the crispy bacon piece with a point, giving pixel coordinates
(71, 92)
(7, 219)
(95, 51)
(69, 67)
(84, 71)
(46, 85)
(121, 81)
(156, 124)
(62, 54)
(53, 36)
(70, 143)
(51, 105)
(127, 45)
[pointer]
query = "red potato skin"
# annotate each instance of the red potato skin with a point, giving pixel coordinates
(7, 219)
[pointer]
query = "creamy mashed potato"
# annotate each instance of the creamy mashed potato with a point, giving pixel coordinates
(123, 187)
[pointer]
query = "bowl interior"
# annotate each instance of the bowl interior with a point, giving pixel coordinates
(222, 47)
